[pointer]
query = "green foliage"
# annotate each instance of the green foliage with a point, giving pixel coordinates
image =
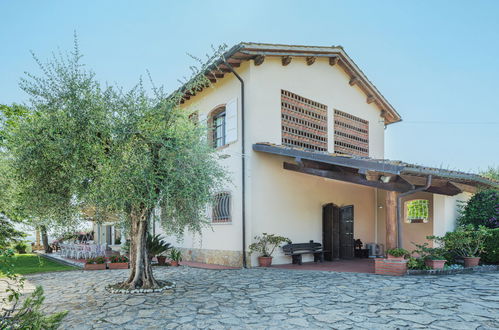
(482, 209)
(425, 252)
(267, 243)
(118, 259)
(20, 247)
(175, 255)
(96, 260)
(8, 233)
(29, 315)
(465, 241)
(417, 209)
(491, 173)
(120, 152)
(156, 245)
(398, 252)
(491, 249)
(417, 263)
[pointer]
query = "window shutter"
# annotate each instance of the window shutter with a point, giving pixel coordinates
(231, 121)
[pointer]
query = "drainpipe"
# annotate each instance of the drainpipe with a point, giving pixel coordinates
(243, 164)
(399, 208)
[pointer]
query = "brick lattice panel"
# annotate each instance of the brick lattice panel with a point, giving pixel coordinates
(304, 122)
(351, 134)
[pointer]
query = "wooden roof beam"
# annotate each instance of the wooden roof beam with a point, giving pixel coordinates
(258, 60)
(348, 177)
(334, 60)
(310, 60)
(354, 80)
(286, 60)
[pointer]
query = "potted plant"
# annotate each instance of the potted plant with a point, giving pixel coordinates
(467, 242)
(397, 254)
(265, 246)
(118, 262)
(156, 246)
(175, 257)
(433, 256)
(95, 263)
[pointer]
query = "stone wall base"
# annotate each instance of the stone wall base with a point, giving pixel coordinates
(216, 257)
(390, 267)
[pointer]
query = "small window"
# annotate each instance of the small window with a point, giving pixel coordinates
(221, 208)
(417, 211)
(218, 127)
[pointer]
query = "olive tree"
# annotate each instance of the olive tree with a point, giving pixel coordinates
(117, 152)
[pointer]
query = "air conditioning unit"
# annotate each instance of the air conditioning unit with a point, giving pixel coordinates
(375, 250)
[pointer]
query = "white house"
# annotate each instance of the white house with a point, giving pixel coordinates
(301, 129)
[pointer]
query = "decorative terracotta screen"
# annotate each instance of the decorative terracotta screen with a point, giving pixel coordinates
(351, 134)
(304, 122)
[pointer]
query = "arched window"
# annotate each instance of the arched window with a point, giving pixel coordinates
(217, 123)
(417, 211)
(221, 208)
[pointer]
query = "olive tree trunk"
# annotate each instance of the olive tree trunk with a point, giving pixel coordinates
(45, 240)
(141, 276)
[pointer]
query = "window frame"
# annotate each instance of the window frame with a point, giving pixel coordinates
(417, 219)
(218, 113)
(217, 219)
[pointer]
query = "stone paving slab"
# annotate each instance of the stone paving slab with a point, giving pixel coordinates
(275, 299)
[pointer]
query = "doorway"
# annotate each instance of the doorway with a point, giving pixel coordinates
(337, 232)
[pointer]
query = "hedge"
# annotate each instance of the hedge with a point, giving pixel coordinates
(491, 254)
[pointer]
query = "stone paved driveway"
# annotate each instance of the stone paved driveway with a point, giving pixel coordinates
(273, 298)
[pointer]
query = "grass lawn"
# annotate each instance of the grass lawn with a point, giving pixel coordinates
(32, 263)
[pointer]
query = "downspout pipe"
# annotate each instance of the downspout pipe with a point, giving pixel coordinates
(399, 208)
(243, 164)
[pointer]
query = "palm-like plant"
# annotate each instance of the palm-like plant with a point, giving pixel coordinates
(156, 245)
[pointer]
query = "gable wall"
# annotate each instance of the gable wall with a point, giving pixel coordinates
(319, 82)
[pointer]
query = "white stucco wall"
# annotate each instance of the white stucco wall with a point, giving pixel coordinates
(445, 212)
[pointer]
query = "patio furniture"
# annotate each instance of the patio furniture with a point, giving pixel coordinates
(298, 249)
(359, 252)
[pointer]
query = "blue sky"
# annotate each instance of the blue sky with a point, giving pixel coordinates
(437, 62)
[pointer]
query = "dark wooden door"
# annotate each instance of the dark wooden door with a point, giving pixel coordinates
(327, 231)
(347, 242)
(330, 232)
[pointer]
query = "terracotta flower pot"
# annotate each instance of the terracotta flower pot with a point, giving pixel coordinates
(174, 263)
(95, 266)
(389, 256)
(471, 261)
(435, 264)
(118, 265)
(264, 261)
(161, 260)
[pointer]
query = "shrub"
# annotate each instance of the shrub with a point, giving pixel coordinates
(429, 253)
(398, 252)
(465, 241)
(175, 255)
(482, 210)
(20, 247)
(267, 243)
(491, 250)
(97, 260)
(417, 263)
(118, 259)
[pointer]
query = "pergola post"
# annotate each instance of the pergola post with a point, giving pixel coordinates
(391, 220)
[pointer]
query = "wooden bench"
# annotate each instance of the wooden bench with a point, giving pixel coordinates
(297, 250)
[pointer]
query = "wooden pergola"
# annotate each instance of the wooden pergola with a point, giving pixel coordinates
(397, 178)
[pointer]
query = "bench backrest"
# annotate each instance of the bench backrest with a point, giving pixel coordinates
(312, 246)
